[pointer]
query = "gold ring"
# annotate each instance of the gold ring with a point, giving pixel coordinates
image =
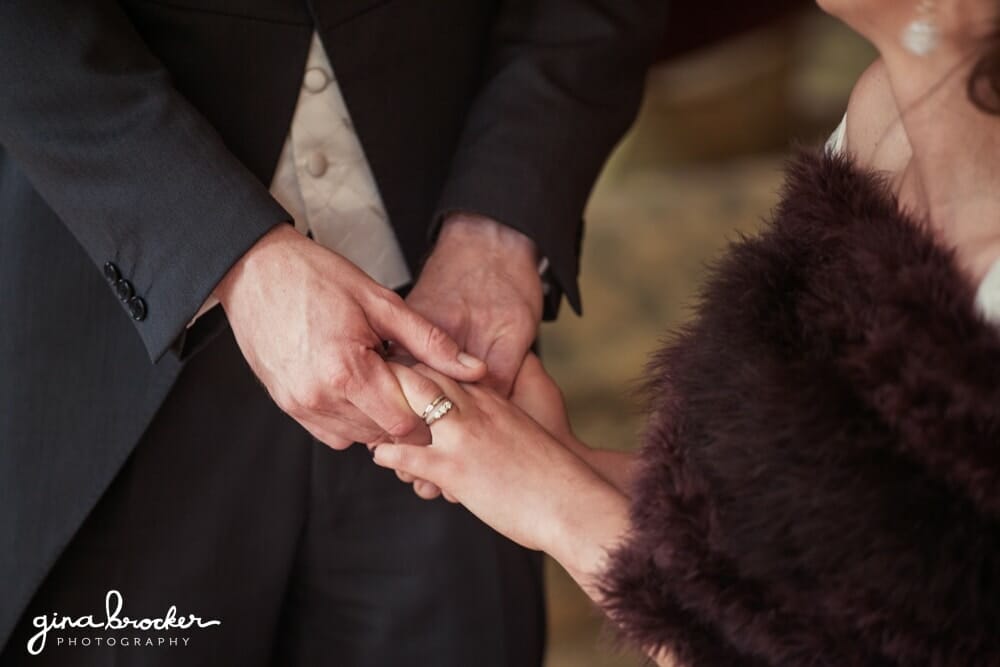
(437, 409)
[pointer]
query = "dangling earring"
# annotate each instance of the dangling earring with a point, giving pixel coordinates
(920, 37)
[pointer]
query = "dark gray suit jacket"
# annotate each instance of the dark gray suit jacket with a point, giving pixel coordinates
(136, 139)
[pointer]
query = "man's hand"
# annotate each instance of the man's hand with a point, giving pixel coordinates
(311, 326)
(481, 285)
(538, 395)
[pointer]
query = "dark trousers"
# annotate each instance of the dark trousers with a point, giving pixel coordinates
(228, 510)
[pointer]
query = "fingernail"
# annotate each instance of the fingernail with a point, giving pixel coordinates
(469, 361)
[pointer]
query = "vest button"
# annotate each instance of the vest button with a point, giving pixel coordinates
(315, 80)
(316, 165)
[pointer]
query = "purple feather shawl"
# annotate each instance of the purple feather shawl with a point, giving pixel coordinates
(820, 478)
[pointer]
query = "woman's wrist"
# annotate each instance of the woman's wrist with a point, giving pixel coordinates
(587, 528)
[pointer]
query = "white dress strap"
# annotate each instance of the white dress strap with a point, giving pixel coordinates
(836, 143)
(988, 294)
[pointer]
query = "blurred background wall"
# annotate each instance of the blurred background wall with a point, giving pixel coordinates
(702, 163)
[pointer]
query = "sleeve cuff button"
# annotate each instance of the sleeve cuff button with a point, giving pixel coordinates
(124, 290)
(137, 308)
(111, 273)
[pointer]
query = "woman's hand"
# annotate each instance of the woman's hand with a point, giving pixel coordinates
(499, 463)
(538, 395)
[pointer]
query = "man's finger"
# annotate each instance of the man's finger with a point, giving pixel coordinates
(427, 343)
(346, 422)
(329, 437)
(504, 357)
(539, 396)
(532, 376)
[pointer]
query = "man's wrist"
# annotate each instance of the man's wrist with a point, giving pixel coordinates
(264, 246)
(487, 235)
(467, 237)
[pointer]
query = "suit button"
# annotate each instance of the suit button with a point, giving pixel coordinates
(315, 80)
(124, 289)
(137, 308)
(111, 273)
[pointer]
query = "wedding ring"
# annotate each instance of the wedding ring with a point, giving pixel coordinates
(437, 409)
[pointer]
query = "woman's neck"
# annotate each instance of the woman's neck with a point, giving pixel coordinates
(952, 178)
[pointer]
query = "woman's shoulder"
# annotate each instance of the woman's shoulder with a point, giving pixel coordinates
(875, 136)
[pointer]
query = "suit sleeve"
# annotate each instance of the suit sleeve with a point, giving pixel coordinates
(564, 82)
(139, 177)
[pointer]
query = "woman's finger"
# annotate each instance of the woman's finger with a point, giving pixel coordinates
(424, 463)
(383, 402)
(426, 490)
(421, 487)
(449, 386)
(421, 386)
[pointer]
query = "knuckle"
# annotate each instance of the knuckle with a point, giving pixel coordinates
(286, 401)
(476, 391)
(340, 375)
(488, 401)
(362, 433)
(311, 397)
(391, 299)
(481, 427)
